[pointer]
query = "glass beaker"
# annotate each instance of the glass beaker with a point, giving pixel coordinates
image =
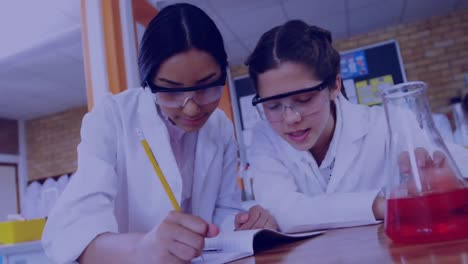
(428, 198)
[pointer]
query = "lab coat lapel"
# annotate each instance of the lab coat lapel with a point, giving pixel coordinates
(206, 152)
(304, 160)
(157, 136)
(355, 127)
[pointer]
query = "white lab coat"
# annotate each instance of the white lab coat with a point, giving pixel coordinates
(115, 188)
(285, 183)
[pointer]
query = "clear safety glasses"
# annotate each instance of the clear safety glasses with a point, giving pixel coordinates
(179, 97)
(301, 102)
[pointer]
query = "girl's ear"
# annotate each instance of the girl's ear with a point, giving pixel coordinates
(336, 89)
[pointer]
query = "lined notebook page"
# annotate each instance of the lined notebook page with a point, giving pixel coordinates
(235, 241)
(220, 257)
(233, 245)
(239, 244)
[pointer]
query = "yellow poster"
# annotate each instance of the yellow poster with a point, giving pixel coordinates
(369, 92)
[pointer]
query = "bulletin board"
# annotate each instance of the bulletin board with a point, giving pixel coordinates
(366, 72)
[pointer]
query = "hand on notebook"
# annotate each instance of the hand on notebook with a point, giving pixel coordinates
(178, 239)
(256, 218)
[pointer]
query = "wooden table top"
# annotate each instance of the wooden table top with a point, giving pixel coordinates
(367, 244)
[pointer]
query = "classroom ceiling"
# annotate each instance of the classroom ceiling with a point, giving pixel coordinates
(242, 22)
(41, 64)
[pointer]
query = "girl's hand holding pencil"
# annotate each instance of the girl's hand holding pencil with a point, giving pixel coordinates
(178, 239)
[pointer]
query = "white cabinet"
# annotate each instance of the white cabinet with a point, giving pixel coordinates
(23, 253)
(28, 258)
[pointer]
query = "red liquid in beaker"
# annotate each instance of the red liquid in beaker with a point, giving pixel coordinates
(428, 218)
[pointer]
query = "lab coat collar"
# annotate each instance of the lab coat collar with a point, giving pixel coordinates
(157, 136)
(207, 150)
(355, 121)
(355, 125)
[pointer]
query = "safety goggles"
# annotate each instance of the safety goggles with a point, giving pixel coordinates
(179, 97)
(301, 102)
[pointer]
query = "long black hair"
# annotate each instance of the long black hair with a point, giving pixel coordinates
(176, 29)
(295, 41)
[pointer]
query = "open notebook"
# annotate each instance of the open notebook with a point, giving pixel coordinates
(235, 245)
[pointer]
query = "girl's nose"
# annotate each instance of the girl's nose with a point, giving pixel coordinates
(191, 108)
(290, 116)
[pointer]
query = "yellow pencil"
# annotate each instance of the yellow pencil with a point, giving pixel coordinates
(158, 171)
(161, 177)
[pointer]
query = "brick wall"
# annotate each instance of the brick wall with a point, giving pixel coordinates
(433, 50)
(51, 143)
(9, 137)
